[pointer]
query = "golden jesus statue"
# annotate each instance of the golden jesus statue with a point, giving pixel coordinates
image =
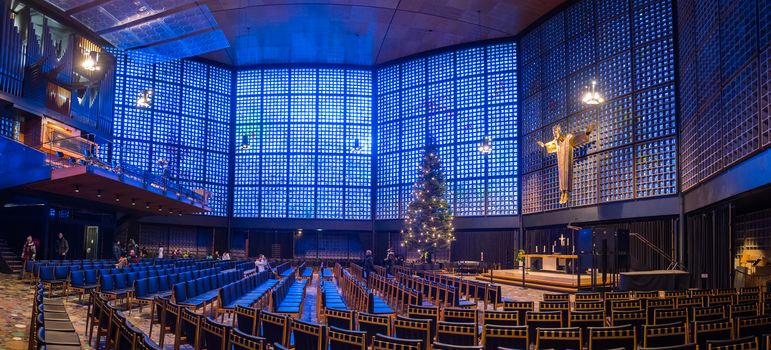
(564, 145)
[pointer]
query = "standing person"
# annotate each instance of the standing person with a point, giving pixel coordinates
(117, 251)
(133, 246)
(390, 261)
(261, 263)
(369, 265)
(27, 253)
(226, 255)
(160, 252)
(62, 247)
(216, 255)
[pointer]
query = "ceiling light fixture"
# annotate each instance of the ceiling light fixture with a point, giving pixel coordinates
(77, 189)
(160, 208)
(133, 201)
(145, 98)
(98, 193)
(486, 147)
(117, 198)
(147, 205)
(592, 97)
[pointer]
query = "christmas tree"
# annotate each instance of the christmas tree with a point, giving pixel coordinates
(428, 222)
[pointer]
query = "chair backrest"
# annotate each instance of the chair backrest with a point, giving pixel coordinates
(308, 335)
(754, 326)
(744, 310)
(459, 315)
(674, 347)
(374, 324)
(521, 307)
(586, 319)
(664, 316)
(443, 346)
(344, 339)
(588, 297)
(342, 319)
(77, 278)
(61, 272)
(556, 297)
(190, 326)
(215, 335)
(500, 318)
(542, 319)
(665, 334)
(247, 319)
(606, 338)
(453, 333)
(413, 328)
(712, 330)
(383, 342)
(430, 313)
(558, 338)
(745, 343)
(495, 336)
(275, 328)
(709, 313)
(589, 305)
(563, 306)
(241, 341)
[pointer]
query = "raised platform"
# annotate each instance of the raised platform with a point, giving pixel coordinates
(552, 281)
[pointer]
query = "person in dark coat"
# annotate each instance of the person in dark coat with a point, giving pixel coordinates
(390, 261)
(369, 265)
(62, 247)
(117, 251)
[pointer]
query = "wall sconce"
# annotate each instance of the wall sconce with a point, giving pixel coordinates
(91, 62)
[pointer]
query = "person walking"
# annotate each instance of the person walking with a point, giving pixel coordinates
(62, 247)
(27, 253)
(117, 251)
(369, 265)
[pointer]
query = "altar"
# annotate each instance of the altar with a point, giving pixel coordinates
(550, 262)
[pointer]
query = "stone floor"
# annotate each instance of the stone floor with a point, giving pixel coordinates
(16, 307)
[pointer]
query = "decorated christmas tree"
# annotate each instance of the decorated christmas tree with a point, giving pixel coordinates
(428, 221)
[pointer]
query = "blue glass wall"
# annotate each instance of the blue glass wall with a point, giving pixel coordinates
(627, 47)
(725, 84)
(309, 137)
(455, 98)
(187, 124)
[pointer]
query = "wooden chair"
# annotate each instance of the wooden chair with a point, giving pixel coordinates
(635, 318)
(712, 330)
(709, 313)
(374, 324)
(610, 297)
(755, 326)
(589, 305)
(664, 316)
(744, 310)
(247, 319)
(521, 307)
(649, 294)
(243, 341)
(718, 300)
(214, 334)
(460, 315)
(430, 313)
(500, 318)
(275, 328)
(556, 297)
(344, 339)
(746, 343)
(342, 319)
(383, 342)
(675, 294)
(582, 297)
(651, 305)
(413, 328)
(674, 347)
(665, 335)
(585, 320)
(308, 335)
(558, 338)
(189, 331)
(497, 336)
(624, 305)
(149, 344)
(442, 346)
(452, 333)
(535, 320)
(607, 338)
(563, 306)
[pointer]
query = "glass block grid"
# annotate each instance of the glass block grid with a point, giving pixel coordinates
(312, 131)
(187, 123)
(724, 109)
(628, 48)
(454, 99)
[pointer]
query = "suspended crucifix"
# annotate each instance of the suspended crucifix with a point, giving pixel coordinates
(563, 145)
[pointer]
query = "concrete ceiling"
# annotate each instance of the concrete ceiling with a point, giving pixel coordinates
(364, 32)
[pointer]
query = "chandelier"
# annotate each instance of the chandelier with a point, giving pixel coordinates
(592, 97)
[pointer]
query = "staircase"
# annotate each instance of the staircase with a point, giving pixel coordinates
(10, 260)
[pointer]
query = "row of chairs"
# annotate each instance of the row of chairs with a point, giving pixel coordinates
(289, 295)
(436, 292)
(50, 325)
(146, 289)
(203, 291)
(325, 272)
(395, 292)
(358, 296)
(478, 291)
(252, 290)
